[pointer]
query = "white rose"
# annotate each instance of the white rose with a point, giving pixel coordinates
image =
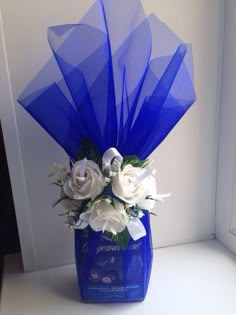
(125, 187)
(104, 217)
(149, 189)
(88, 186)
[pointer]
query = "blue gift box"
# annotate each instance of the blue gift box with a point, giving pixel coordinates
(108, 274)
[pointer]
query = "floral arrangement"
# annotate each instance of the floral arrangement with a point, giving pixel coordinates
(116, 85)
(107, 192)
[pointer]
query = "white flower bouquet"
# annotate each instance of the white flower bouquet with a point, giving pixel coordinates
(107, 193)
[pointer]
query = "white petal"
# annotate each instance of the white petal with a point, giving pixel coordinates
(136, 229)
(84, 216)
(80, 225)
(161, 197)
(146, 204)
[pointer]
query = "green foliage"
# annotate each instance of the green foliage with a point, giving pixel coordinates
(134, 211)
(88, 150)
(122, 239)
(57, 184)
(152, 213)
(59, 200)
(134, 161)
(149, 197)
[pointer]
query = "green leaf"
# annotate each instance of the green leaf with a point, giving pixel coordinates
(61, 214)
(122, 238)
(153, 213)
(149, 197)
(134, 161)
(57, 184)
(58, 201)
(88, 150)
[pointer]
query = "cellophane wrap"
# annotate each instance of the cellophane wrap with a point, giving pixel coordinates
(118, 77)
(108, 274)
(121, 79)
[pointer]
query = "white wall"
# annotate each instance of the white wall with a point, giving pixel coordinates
(186, 161)
(14, 157)
(226, 188)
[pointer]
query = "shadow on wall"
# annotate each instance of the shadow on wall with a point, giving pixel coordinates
(9, 238)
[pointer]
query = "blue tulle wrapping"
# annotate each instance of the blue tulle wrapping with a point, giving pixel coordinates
(107, 274)
(118, 77)
(122, 80)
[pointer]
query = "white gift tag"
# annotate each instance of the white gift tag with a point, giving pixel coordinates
(136, 229)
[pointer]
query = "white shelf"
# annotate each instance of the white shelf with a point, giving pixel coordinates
(191, 279)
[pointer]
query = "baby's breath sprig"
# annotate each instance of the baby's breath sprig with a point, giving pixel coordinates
(59, 174)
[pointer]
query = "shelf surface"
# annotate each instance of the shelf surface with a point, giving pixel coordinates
(191, 279)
